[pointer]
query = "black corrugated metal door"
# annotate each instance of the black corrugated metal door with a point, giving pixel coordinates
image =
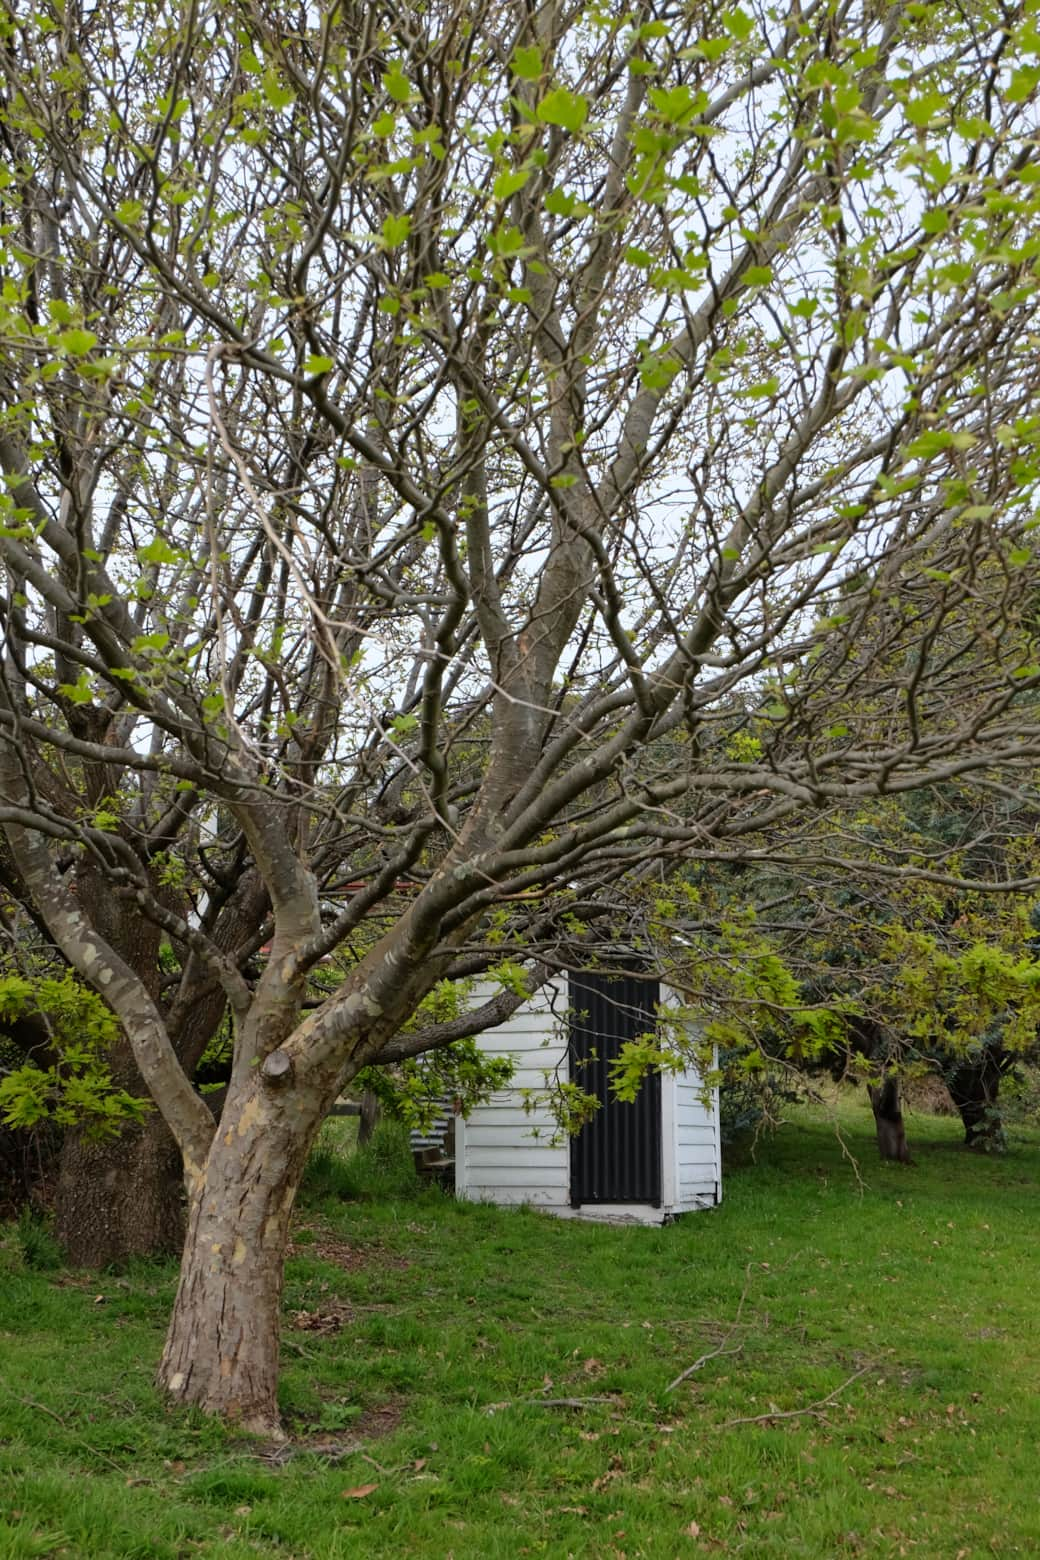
(616, 1157)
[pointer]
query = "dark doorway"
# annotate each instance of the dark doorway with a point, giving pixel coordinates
(616, 1157)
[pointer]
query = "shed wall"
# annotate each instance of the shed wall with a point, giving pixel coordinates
(697, 1148)
(505, 1154)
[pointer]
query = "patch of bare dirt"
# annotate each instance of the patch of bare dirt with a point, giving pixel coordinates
(331, 1318)
(372, 1424)
(349, 1258)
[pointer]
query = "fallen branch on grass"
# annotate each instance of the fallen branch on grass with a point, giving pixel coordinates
(697, 1364)
(722, 1349)
(814, 1410)
(542, 1402)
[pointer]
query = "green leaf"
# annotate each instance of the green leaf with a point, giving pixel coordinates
(921, 111)
(738, 23)
(396, 230)
(713, 48)
(569, 110)
(158, 551)
(79, 692)
(319, 365)
(657, 371)
(275, 93)
(676, 105)
(396, 84)
(758, 275)
(77, 343)
(527, 63)
(509, 182)
(804, 308)
(558, 203)
(1023, 84)
(506, 241)
(935, 440)
(763, 390)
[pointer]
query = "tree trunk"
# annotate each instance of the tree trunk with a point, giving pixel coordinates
(120, 1199)
(974, 1088)
(221, 1350)
(891, 1135)
(125, 1198)
(370, 1114)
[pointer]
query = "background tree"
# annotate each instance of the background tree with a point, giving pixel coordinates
(417, 421)
(893, 960)
(869, 948)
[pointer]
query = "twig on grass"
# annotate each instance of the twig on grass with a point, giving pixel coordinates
(297, 1348)
(41, 1408)
(697, 1364)
(541, 1402)
(814, 1410)
(722, 1349)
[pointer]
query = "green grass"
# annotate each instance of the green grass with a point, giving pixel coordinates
(923, 1278)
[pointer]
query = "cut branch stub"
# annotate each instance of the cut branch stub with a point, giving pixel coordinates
(277, 1069)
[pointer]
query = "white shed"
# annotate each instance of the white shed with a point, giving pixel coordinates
(641, 1162)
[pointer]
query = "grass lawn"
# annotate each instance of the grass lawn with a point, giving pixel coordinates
(427, 1342)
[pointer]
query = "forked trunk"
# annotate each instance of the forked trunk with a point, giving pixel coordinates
(221, 1350)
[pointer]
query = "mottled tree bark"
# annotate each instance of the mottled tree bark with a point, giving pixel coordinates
(222, 1348)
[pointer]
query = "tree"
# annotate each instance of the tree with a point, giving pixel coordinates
(868, 945)
(420, 425)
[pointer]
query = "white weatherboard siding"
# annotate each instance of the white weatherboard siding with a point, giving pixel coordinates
(506, 1154)
(697, 1146)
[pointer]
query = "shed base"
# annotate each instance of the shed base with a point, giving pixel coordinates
(616, 1213)
(630, 1213)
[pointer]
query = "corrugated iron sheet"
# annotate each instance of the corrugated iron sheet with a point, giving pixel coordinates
(616, 1157)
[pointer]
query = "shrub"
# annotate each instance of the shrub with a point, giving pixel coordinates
(750, 1102)
(40, 1251)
